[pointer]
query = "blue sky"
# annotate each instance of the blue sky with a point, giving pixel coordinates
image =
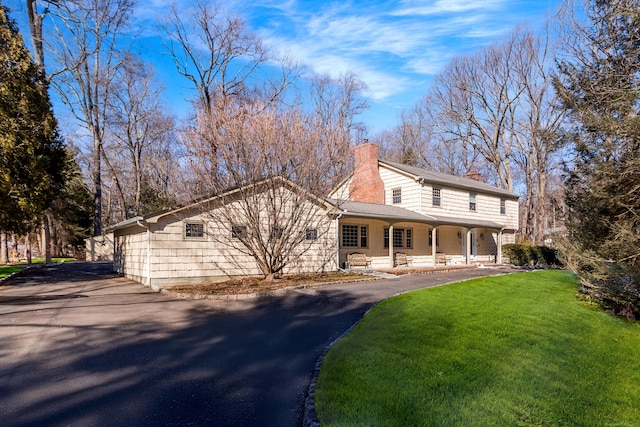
(395, 47)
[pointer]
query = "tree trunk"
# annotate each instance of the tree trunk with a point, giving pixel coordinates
(4, 248)
(46, 238)
(27, 248)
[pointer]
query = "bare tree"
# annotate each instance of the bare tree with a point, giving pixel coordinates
(536, 122)
(268, 189)
(336, 103)
(137, 123)
(498, 104)
(85, 49)
(221, 58)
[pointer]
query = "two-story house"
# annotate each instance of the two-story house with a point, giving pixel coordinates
(385, 212)
(392, 212)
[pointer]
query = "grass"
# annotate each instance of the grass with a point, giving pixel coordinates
(42, 260)
(516, 350)
(6, 270)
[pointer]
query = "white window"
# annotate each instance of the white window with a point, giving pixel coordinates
(396, 194)
(193, 230)
(354, 236)
(503, 207)
(435, 192)
(402, 238)
(472, 202)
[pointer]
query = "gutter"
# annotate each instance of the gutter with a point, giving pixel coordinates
(148, 273)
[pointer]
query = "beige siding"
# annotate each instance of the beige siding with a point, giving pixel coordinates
(130, 256)
(411, 198)
(99, 248)
(178, 259)
(342, 192)
(455, 204)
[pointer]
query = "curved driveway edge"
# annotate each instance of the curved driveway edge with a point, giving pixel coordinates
(82, 346)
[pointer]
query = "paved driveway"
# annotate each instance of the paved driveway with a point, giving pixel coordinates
(82, 347)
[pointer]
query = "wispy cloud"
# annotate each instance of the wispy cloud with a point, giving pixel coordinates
(388, 44)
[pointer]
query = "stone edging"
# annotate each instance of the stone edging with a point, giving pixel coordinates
(25, 270)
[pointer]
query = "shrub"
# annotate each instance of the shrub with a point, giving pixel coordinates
(534, 256)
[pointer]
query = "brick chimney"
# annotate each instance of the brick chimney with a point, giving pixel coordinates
(366, 184)
(475, 175)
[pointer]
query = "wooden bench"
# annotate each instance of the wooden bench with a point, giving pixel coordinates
(441, 258)
(357, 260)
(401, 258)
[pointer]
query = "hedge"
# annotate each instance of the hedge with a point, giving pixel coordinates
(534, 256)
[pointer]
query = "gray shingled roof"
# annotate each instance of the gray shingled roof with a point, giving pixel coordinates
(449, 180)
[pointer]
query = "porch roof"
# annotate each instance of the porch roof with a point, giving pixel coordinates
(390, 213)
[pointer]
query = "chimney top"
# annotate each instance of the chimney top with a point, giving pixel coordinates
(475, 175)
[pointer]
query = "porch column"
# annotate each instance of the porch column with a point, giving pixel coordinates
(433, 246)
(391, 263)
(467, 236)
(499, 253)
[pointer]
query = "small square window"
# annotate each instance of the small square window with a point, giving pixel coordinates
(276, 233)
(472, 202)
(193, 230)
(396, 194)
(238, 231)
(311, 234)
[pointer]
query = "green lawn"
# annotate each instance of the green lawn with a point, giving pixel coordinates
(6, 270)
(515, 350)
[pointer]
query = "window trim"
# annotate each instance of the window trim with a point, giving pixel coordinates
(438, 197)
(406, 237)
(189, 223)
(361, 236)
(396, 196)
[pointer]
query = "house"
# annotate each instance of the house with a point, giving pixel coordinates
(429, 217)
(228, 236)
(383, 214)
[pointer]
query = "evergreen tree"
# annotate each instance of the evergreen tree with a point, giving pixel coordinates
(599, 84)
(32, 153)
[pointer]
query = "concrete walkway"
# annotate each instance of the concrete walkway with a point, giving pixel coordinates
(82, 347)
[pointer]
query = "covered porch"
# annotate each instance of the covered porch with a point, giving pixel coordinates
(382, 237)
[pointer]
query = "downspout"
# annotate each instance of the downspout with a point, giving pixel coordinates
(146, 227)
(338, 242)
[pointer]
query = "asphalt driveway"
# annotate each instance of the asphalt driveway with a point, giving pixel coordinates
(82, 347)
